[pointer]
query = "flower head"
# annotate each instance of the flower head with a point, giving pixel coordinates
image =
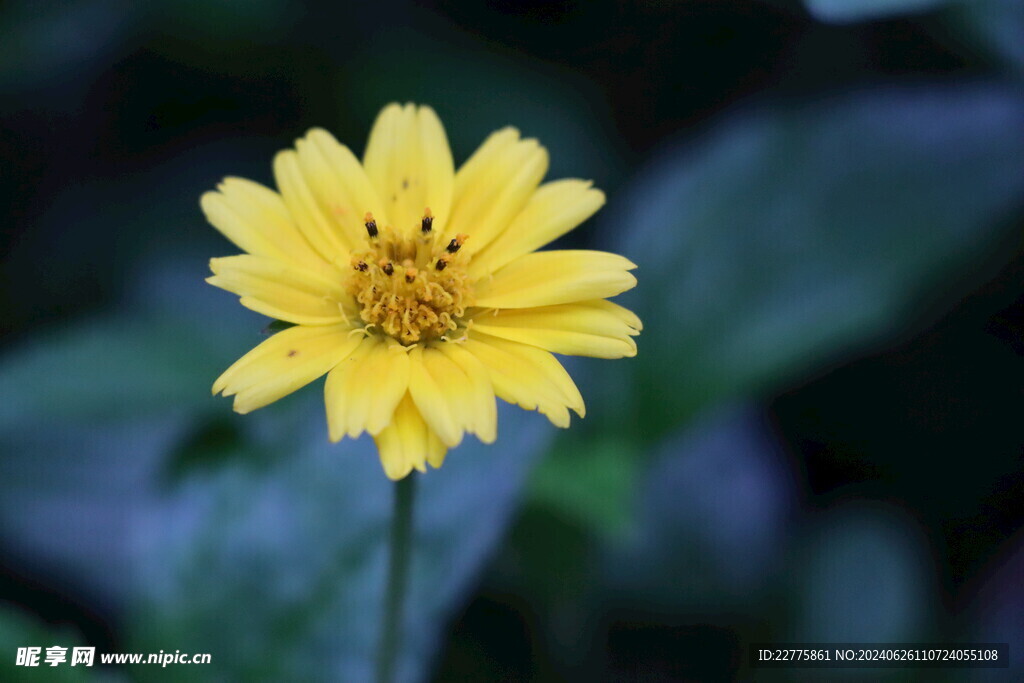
(416, 289)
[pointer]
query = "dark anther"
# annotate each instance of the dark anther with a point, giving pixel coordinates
(441, 264)
(388, 269)
(371, 225)
(454, 246)
(361, 266)
(427, 224)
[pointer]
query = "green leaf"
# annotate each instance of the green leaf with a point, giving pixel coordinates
(788, 237)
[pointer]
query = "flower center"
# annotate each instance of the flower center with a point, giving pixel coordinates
(411, 286)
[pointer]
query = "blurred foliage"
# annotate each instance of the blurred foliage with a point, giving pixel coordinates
(156, 373)
(265, 514)
(785, 239)
(992, 27)
(589, 482)
(996, 609)
(18, 629)
(789, 236)
(855, 10)
(864, 576)
(294, 534)
(716, 505)
(301, 542)
(531, 92)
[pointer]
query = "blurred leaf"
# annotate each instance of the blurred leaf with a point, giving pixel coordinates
(279, 571)
(158, 359)
(209, 445)
(219, 23)
(788, 237)
(864, 575)
(108, 368)
(842, 11)
(589, 479)
(251, 538)
(70, 494)
(990, 26)
(46, 42)
(996, 607)
(107, 408)
(712, 517)
(20, 630)
(589, 482)
(460, 79)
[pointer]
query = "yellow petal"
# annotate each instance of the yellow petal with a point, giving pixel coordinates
(342, 191)
(527, 376)
(407, 442)
(257, 220)
(436, 451)
(284, 363)
(624, 314)
(409, 162)
(278, 290)
(452, 400)
(429, 376)
(553, 210)
(472, 171)
(362, 391)
(494, 185)
(549, 366)
(546, 278)
(322, 233)
(581, 329)
(481, 408)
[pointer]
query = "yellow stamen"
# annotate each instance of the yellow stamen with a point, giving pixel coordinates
(427, 302)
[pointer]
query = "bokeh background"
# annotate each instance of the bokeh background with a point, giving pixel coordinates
(820, 440)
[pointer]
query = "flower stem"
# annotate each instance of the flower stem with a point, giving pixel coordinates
(398, 573)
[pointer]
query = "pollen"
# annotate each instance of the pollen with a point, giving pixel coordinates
(410, 285)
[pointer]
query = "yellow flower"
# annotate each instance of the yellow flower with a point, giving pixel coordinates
(415, 288)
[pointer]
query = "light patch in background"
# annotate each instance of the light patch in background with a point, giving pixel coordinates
(864, 574)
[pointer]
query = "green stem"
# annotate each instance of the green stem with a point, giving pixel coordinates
(398, 574)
